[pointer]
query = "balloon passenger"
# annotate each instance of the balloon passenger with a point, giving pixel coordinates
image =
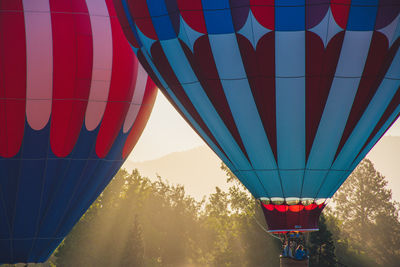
(300, 253)
(286, 250)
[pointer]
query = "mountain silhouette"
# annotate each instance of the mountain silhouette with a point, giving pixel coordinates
(198, 169)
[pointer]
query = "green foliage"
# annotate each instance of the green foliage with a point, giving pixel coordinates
(137, 222)
(368, 226)
(321, 246)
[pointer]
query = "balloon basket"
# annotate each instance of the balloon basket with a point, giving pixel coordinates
(289, 262)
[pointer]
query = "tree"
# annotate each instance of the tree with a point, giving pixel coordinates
(321, 246)
(246, 239)
(368, 216)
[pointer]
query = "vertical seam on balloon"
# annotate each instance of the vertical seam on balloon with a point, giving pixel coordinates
(305, 97)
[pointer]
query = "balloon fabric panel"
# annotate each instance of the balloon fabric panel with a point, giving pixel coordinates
(290, 94)
(73, 103)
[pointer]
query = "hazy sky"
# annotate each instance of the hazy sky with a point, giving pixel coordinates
(167, 132)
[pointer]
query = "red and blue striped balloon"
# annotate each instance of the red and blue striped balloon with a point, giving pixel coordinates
(290, 94)
(73, 102)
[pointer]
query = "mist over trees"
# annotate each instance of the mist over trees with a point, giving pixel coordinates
(139, 222)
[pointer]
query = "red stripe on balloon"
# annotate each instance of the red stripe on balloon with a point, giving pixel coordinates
(340, 10)
(121, 90)
(369, 84)
(141, 120)
(192, 13)
(203, 64)
(141, 16)
(12, 77)
(72, 63)
(260, 69)
(321, 66)
(264, 12)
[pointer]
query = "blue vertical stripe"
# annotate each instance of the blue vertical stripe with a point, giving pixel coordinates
(290, 103)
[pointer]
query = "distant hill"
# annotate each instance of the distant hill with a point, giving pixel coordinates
(199, 170)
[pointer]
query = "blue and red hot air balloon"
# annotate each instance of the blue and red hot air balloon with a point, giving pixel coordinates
(73, 103)
(290, 94)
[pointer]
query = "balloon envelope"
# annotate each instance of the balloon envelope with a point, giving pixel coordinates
(73, 103)
(290, 94)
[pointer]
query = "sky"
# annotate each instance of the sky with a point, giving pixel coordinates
(167, 132)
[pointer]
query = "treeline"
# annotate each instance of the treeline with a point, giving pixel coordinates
(139, 222)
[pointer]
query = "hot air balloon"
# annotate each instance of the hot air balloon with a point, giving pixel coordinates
(74, 101)
(290, 94)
